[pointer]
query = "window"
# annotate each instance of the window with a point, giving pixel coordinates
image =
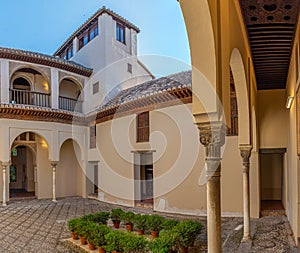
(129, 68)
(143, 127)
(120, 33)
(233, 130)
(88, 35)
(93, 136)
(68, 53)
(12, 174)
(95, 88)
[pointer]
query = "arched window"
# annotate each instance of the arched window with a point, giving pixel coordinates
(21, 84)
(234, 128)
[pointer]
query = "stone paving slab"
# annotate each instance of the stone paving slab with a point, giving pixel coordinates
(34, 226)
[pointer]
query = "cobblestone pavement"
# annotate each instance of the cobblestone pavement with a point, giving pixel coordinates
(40, 225)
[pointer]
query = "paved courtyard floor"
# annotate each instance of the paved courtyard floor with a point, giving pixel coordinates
(40, 226)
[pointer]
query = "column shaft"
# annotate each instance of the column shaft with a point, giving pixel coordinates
(53, 164)
(4, 200)
(245, 153)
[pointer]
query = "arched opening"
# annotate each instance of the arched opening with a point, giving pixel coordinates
(70, 96)
(30, 87)
(69, 164)
(22, 171)
(30, 167)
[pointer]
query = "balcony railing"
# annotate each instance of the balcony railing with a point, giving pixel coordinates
(70, 104)
(25, 97)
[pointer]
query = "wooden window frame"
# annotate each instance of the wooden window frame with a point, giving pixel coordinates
(118, 35)
(87, 34)
(143, 127)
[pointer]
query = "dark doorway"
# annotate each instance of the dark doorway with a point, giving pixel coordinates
(21, 173)
(143, 176)
(271, 180)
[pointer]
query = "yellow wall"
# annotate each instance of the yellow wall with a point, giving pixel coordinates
(272, 118)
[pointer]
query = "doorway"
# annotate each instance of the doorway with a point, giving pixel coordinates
(271, 180)
(143, 177)
(21, 172)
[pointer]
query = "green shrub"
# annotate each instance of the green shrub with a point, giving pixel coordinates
(169, 224)
(165, 243)
(154, 222)
(135, 244)
(116, 214)
(102, 217)
(97, 234)
(73, 224)
(140, 221)
(115, 240)
(127, 217)
(83, 228)
(187, 232)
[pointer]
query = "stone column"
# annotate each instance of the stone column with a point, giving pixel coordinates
(4, 182)
(54, 164)
(246, 153)
(212, 136)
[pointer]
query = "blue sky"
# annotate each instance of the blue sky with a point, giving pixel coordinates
(43, 25)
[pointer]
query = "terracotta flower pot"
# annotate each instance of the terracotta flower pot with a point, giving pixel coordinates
(116, 223)
(129, 226)
(101, 250)
(82, 240)
(140, 232)
(91, 246)
(74, 236)
(154, 234)
(115, 251)
(183, 249)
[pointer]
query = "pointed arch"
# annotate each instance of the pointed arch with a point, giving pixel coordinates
(242, 93)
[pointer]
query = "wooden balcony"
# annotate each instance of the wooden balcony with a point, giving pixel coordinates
(25, 97)
(70, 104)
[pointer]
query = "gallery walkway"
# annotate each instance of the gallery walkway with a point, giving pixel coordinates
(40, 225)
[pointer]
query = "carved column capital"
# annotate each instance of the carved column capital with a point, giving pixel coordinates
(245, 154)
(212, 133)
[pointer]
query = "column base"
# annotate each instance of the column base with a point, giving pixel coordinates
(54, 200)
(247, 238)
(4, 204)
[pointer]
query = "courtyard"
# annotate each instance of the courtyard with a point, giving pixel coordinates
(40, 226)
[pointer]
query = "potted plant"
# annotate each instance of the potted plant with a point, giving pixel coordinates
(154, 223)
(102, 217)
(127, 218)
(135, 244)
(115, 216)
(91, 233)
(187, 232)
(166, 242)
(115, 241)
(169, 224)
(72, 226)
(82, 231)
(140, 223)
(97, 237)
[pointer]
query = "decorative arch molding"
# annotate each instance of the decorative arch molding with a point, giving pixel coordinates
(76, 142)
(31, 146)
(21, 75)
(15, 66)
(242, 94)
(45, 135)
(199, 26)
(79, 81)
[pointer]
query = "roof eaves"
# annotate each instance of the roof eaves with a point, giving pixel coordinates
(95, 15)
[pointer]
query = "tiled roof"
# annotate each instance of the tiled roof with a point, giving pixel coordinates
(43, 59)
(86, 23)
(147, 89)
